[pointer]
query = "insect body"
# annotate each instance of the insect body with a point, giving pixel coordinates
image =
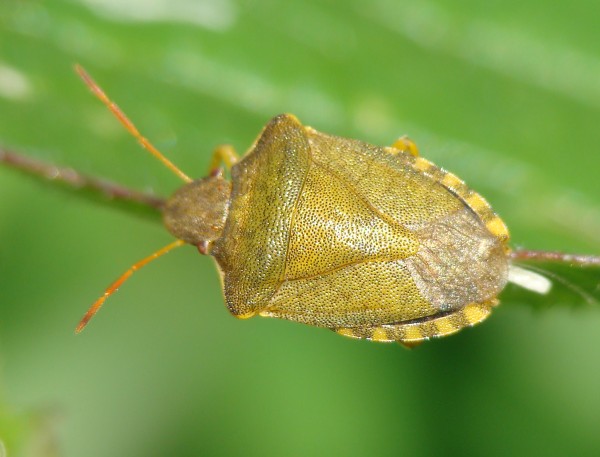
(371, 242)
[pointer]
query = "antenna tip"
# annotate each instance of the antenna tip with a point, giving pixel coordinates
(80, 327)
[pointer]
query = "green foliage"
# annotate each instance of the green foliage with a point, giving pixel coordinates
(573, 286)
(504, 94)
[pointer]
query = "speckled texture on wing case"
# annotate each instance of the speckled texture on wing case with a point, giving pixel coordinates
(342, 234)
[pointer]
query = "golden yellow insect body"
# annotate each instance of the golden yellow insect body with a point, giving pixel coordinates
(371, 242)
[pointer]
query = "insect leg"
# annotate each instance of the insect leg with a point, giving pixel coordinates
(224, 154)
(405, 144)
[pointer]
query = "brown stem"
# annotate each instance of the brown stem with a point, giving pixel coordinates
(582, 260)
(78, 180)
(114, 191)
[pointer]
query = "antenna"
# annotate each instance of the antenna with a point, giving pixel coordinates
(112, 106)
(115, 285)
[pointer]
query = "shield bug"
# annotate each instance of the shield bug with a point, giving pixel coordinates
(370, 242)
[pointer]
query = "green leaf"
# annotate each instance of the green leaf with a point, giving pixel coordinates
(572, 286)
(504, 94)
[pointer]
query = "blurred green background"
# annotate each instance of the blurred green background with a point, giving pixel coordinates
(506, 94)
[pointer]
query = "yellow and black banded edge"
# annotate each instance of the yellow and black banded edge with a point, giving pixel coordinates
(412, 333)
(472, 199)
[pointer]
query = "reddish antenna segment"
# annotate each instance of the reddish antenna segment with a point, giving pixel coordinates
(115, 285)
(131, 128)
(112, 106)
